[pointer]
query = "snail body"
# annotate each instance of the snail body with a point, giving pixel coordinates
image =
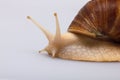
(93, 35)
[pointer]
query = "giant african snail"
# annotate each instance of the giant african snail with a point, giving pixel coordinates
(93, 35)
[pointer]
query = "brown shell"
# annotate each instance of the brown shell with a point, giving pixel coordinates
(98, 19)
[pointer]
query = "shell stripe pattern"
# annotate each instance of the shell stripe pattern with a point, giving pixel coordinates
(98, 19)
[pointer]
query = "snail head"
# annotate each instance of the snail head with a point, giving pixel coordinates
(54, 40)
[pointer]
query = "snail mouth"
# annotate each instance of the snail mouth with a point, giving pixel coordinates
(50, 54)
(44, 50)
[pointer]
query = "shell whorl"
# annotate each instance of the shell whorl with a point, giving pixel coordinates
(99, 19)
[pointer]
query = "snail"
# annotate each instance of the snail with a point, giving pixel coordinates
(93, 35)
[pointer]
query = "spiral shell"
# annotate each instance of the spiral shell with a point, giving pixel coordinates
(99, 19)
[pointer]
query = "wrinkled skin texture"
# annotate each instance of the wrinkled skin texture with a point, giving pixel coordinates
(88, 49)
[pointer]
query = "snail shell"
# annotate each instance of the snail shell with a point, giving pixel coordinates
(98, 19)
(93, 35)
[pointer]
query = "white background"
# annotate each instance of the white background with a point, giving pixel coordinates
(20, 41)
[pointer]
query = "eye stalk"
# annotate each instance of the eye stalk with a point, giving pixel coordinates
(46, 32)
(58, 32)
(54, 40)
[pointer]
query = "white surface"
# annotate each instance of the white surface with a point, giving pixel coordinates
(20, 40)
